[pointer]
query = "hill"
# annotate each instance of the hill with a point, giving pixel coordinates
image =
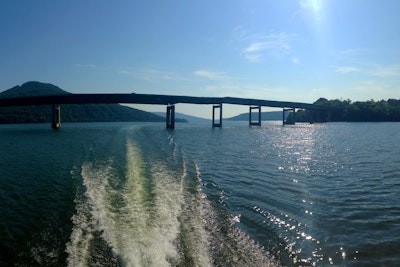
(69, 113)
(186, 117)
(265, 116)
(33, 89)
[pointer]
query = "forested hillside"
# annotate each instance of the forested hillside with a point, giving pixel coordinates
(346, 110)
(69, 113)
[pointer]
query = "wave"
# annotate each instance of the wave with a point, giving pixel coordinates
(147, 208)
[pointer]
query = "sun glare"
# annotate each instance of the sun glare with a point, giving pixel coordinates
(314, 7)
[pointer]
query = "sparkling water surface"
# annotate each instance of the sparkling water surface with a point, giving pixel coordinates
(136, 194)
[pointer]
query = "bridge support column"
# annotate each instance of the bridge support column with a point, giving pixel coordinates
(55, 116)
(311, 115)
(170, 118)
(258, 122)
(217, 124)
(292, 119)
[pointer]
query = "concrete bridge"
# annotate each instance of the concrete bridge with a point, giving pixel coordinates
(168, 100)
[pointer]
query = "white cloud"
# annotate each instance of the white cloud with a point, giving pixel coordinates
(258, 46)
(375, 70)
(210, 74)
(253, 57)
(347, 69)
(123, 72)
(152, 74)
(385, 71)
(255, 47)
(295, 60)
(354, 56)
(274, 45)
(350, 52)
(85, 65)
(355, 60)
(240, 34)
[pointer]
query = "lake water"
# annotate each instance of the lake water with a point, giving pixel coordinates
(136, 194)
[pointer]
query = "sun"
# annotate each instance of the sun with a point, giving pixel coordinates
(315, 7)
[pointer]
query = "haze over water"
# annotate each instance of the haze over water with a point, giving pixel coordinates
(129, 194)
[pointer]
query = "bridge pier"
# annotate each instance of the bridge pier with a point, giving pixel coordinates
(170, 118)
(311, 116)
(258, 122)
(55, 116)
(217, 124)
(293, 119)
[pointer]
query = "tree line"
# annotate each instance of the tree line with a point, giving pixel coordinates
(346, 110)
(76, 113)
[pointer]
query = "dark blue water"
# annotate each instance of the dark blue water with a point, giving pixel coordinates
(126, 194)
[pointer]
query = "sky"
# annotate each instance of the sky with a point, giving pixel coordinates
(292, 50)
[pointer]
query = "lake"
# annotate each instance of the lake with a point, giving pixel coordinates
(136, 194)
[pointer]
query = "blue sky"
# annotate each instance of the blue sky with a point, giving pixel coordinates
(293, 50)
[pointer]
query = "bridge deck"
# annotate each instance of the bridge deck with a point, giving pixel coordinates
(146, 99)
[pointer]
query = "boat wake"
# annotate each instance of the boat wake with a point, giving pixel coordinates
(142, 210)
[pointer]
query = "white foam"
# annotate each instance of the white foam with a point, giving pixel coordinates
(142, 227)
(146, 231)
(89, 214)
(199, 238)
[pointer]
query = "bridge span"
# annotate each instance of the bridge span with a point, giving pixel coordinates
(152, 99)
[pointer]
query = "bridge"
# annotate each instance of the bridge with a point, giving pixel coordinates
(153, 99)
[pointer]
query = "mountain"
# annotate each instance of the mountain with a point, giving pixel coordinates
(69, 113)
(265, 116)
(181, 116)
(33, 89)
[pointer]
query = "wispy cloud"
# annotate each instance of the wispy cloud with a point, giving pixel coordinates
(258, 46)
(352, 55)
(211, 75)
(124, 72)
(347, 69)
(375, 70)
(79, 65)
(152, 74)
(385, 71)
(274, 45)
(358, 61)
(351, 52)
